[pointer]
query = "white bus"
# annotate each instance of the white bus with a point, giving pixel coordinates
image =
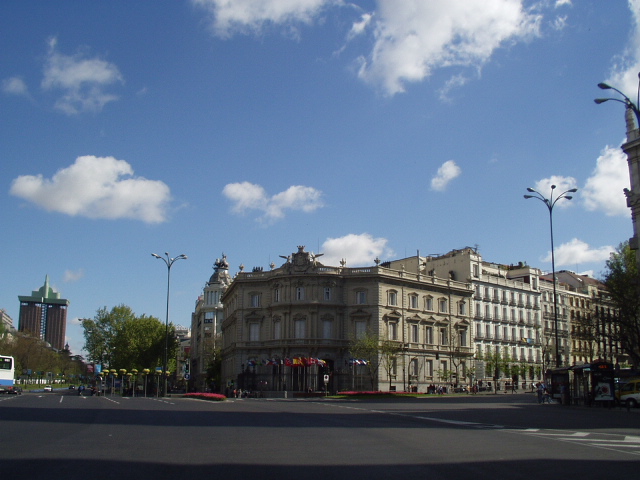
(7, 371)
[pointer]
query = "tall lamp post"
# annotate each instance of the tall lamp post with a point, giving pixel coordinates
(169, 262)
(550, 203)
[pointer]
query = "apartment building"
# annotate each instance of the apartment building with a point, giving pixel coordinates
(505, 311)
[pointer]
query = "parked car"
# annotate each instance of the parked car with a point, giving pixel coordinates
(629, 393)
(72, 387)
(48, 388)
(15, 391)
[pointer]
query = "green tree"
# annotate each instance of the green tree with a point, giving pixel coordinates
(367, 348)
(121, 340)
(622, 282)
(389, 351)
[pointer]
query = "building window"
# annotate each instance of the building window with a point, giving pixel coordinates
(413, 367)
(392, 297)
(394, 366)
(462, 308)
(463, 337)
(276, 295)
(300, 328)
(300, 293)
(255, 300)
(428, 335)
(209, 316)
(361, 297)
(428, 304)
(277, 330)
(360, 329)
(415, 337)
(429, 368)
(476, 270)
(479, 329)
(444, 338)
(443, 305)
(393, 330)
(413, 301)
(327, 329)
(327, 293)
(254, 332)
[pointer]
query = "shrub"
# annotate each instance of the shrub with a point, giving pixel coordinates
(215, 397)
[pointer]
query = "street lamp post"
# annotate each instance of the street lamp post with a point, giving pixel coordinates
(627, 102)
(550, 203)
(169, 261)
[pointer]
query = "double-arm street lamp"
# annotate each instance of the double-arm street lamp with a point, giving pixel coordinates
(550, 203)
(169, 262)
(627, 102)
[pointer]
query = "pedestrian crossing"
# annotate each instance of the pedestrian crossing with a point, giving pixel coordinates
(620, 443)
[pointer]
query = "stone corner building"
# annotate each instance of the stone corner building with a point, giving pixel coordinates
(290, 328)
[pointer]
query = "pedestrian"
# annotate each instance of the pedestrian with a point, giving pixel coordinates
(540, 390)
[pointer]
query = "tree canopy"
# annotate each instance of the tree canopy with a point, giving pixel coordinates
(623, 284)
(120, 339)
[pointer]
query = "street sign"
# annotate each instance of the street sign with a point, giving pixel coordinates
(326, 379)
(187, 376)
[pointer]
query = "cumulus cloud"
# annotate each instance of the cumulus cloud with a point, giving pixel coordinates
(414, 37)
(624, 72)
(603, 190)
(96, 187)
(447, 172)
(71, 276)
(251, 16)
(248, 196)
(562, 184)
(578, 252)
(81, 81)
(357, 249)
(15, 86)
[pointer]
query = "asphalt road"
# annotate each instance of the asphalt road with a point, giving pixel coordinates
(480, 437)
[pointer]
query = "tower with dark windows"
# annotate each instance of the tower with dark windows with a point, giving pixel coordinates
(43, 315)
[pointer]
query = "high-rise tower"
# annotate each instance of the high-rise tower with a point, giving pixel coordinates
(44, 315)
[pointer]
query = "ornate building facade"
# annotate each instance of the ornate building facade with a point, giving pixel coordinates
(206, 323)
(291, 328)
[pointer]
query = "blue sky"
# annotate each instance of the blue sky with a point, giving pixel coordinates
(249, 127)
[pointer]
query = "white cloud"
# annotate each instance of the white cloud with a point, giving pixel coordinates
(357, 250)
(15, 86)
(250, 16)
(96, 187)
(71, 276)
(560, 3)
(562, 184)
(577, 252)
(624, 73)
(248, 196)
(81, 80)
(447, 172)
(414, 37)
(603, 190)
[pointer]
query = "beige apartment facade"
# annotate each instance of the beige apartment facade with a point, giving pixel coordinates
(505, 310)
(290, 329)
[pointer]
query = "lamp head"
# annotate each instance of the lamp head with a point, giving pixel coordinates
(573, 190)
(568, 197)
(528, 196)
(601, 100)
(529, 189)
(604, 86)
(155, 255)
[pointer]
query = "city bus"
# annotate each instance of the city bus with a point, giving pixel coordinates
(7, 371)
